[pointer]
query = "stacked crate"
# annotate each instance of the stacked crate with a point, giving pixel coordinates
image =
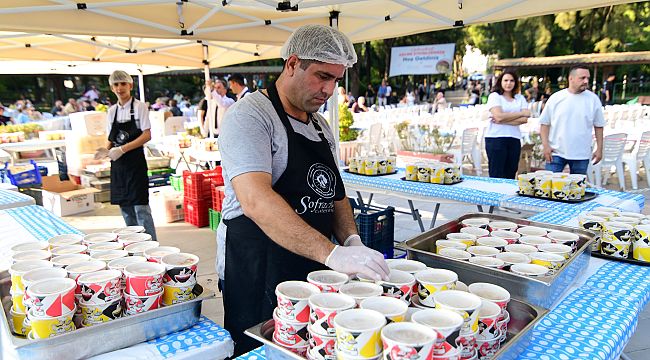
(197, 192)
(217, 201)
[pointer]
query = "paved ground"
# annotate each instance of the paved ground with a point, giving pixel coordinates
(202, 243)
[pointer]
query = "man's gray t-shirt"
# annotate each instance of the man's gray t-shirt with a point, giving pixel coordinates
(253, 139)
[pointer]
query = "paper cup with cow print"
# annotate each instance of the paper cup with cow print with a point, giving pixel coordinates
(52, 297)
(407, 341)
(324, 308)
(138, 304)
(399, 285)
(321, 347)
(289, 333)
(144, 279)
(98, 314)
(180, 269)
(432, 281)
(293, 300)
(100, 287)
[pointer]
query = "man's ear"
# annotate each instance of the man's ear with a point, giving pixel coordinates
(292, 64)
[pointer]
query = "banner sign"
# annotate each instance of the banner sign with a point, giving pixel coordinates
(422, 60)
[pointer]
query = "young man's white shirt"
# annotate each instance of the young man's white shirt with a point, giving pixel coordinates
(572, 118)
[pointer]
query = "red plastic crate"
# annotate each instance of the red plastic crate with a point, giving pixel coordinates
(217, 197)
(197, 212)
(198, 185)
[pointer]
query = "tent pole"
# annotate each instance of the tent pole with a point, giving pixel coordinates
(211, 105)
(332, 104)
(141, 85)
(595, 82)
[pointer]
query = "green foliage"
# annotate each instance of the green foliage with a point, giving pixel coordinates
(345, 122)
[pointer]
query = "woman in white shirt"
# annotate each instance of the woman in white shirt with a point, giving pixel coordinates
(508, 109)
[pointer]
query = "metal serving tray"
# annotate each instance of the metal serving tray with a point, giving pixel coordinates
(541, 291)
(523, 318)
(113, 335)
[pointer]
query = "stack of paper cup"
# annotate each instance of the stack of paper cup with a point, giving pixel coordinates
(96, 238)
(499, 296)
(358, 334)
(75, 270)
(155, 254)
(641, 243)
(144, 289)
(121, 263)
(446, 324)
(616, 239)
(292, 315)
(322, 335)
(180, 277)
(408, 340)
(327, 280)
(101, 296)
(51, 307)
(65, 239)
(468, 306)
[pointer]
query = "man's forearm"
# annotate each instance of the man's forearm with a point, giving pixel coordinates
(544, 131)
(344, 224)
(138, 142)
(518, 121)
(599, 137)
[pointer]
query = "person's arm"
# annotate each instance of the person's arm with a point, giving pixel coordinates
(277, 219)
(222, 100)
(500, 117)
(544, 132)
(344, 225)
(518, 121)
(138, 142)
(607, 95)
(598, 154)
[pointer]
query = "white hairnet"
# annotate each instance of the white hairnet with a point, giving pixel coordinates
(119, 76)
(320, 43)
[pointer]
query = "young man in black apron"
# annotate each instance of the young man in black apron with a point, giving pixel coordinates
(285, 199)
(129, 130)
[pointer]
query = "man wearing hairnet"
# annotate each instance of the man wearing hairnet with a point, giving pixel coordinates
(128, 131)
(285, 199)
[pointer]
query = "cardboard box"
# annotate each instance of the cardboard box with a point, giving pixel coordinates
(65, 197)
(89, 123)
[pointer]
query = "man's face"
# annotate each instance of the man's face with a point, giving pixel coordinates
(579, 81)
(313, 86)
(122, 90)
(235, 87)
(219, 88)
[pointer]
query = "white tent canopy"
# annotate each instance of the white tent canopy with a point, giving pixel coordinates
(260, 21)
(22, 67)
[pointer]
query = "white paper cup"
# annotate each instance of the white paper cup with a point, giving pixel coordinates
(358, 333)
(65, 239)
(360, 290)
(128, 230)
(433, 281)
(565, 238)
(559, 249)
(18, 269)
(407, 338)
(511, 258)
(444, 322)
(137, 249)
(99, 247)
(109, 255)
(31, 255)
(627, 220)
(98, 238)
(476, 231)
(510, 236)
(476, 222)
(324, 307)
(100, 287)
(28, 246)
(495, 242)
(37, 275)
(327, 280)
(533, 240)
(529, 269)
(155, 254)
(487, 261)
(552, 261)
(399, 285)
(455, 254)
(482, 251)
(289, 333)
(69, 249)
(144, 279)
(64, 260)
(503, 225)
(441, 244)
(488, 317)
(465, 304)
(393, 309)
(532, 231)
(522, 248)
(321, 347)
(491, 292)
(293, 300)
(129, 239)
(467, 239)
(410, 266)
(77, 269)
(121, 263)
(52, 297)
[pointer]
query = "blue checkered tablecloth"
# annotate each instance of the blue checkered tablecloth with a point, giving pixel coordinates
(11, 199)
(41, 223)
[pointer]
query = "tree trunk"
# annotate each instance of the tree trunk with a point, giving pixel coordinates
(388, 44)
(354, 80)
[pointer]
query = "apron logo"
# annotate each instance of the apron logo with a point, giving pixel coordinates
(322, 180)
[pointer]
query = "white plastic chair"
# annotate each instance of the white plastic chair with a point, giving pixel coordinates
(468, 148)
(638, 154)
(613, 147)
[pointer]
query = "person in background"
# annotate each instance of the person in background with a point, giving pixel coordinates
(566, 125)
(22, 117)
(87, 106)
(342, 97)
(57, 109)
(128, 131)
(238, 86)
(173, 108)
(360, 105)
(4, 120)
(218, 91)
(508, 109)
(609, 89)
(370, 95)
(92, 93)
(382, 94)
(475, 97)
(186, 109)
(440, 102)
(70, 107)
(178, 97)
(389, 94)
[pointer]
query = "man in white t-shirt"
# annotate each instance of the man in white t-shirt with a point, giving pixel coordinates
(566, 123)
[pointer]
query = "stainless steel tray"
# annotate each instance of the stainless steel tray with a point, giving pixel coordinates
(114, 335)
(541, 291)
(523, 318)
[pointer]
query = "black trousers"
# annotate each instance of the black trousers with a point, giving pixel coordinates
(503, 156)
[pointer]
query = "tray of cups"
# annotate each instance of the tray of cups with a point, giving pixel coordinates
(60, 307)
(433, 172)
(560, 187)
(418, 312)
(620, 236)
(372, 165)
(535, 261)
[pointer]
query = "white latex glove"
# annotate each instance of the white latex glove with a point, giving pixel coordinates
(361, 260)
(115, 153)
(353, 240)
(101, 153)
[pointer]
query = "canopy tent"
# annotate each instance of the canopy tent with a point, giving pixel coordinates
(616, 58)
(28, 67)
(266, 21)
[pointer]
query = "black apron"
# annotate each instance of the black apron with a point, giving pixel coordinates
(255, 264)
(129, 180)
